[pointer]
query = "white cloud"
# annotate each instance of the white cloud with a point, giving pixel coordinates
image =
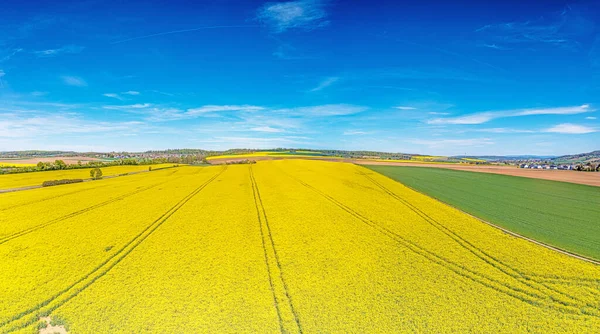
(26, 125)
(38, 93)
(56, 52)
(129, 106)
(555, 111)
(354, 133)
(326, 110)
(302, 14)
(74, 81)
(131, 92)
(262, 142)
(450, 143)
(483, 117)
(565, 29)
(157, 113)
(220, 108)
(504, 130)
(113, 95)
(266, 129)
(568, 128)
(325, 83)
(2, 73)
(467, 119)
(405, 108)
(590, 117)
(438, 113)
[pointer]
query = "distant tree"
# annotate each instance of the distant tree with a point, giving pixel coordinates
(96, 173)
(59, 164)
(40, 165)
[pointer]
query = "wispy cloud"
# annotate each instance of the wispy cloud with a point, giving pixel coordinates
(74, 81)
(564, 29)
(266, 129)
(172, 32)
(220, 108)
(262, 142)
(504, 130)
(119, 96)
(158, 113)
(325, 83)
(568, 128)
(289, 52)
(484, 117)
(129, 106)
(9, 54)
(448, 143)
(354, 133)
(438, 113)
(63, 50)
(493, 46)
(302, 14)
(25, 125)
(113, 95)
(590, 117)
(325, 110)
(405, 108)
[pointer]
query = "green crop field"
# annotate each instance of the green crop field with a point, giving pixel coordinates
(561, 214)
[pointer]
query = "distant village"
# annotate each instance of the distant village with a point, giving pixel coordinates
(546, 166)
(589, 167)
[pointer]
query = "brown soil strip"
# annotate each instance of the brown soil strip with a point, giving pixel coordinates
(18, 189)
(49, 329)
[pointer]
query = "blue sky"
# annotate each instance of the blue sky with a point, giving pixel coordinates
(429, 77)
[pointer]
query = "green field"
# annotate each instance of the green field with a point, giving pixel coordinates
(560, 214)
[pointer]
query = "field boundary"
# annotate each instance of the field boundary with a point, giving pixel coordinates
(503, 229)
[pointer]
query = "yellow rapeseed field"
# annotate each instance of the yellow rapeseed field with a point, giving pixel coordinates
(284, 246)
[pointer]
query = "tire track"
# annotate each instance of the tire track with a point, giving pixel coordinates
(31, 315)
(21, 233)
(49, 198)
(531, 298)
(479, 253)
(538, 277)
(288, 318)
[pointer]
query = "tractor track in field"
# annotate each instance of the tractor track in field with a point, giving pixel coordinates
(479, 253)
(69, 193)
(50, 197)
(528, 297)
(267, 242)
(553, 248)
(26, 231)
(31, 315)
